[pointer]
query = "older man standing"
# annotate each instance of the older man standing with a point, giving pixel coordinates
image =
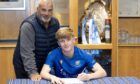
(36, 39)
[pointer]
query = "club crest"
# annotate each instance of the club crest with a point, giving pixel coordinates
(77, 62)
(61, 61)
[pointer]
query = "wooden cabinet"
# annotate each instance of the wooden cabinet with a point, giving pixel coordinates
(74, 17)
(129, 51)
(129, 39)
(129, 60)
(6, 62)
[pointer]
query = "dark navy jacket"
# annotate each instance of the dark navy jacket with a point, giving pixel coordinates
(44, 42)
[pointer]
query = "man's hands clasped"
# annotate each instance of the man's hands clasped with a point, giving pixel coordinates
(35, 77)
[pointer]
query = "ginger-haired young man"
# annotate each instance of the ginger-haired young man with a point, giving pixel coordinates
(68, 61)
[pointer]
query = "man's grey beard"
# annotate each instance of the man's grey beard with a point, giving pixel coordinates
(44, 20)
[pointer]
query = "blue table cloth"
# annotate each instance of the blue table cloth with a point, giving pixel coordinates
(105, 80)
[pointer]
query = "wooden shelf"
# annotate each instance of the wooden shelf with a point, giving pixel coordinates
(7, 45)
(128, 45)
(95, 46)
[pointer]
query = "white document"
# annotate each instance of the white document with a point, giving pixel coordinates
(72, 81)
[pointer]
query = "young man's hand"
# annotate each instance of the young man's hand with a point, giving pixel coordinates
(35, 77)
(56, 80)
(83, 76)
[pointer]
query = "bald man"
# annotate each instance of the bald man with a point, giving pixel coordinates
(36, 39)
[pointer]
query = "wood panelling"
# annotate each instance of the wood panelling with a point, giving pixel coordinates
(81, 8)
(114, 29)
(129, 61)
(73, 19)
(6, 64)
(10, 21)
(132, 25)
(9, 24)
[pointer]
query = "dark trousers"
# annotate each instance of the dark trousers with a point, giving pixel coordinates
(20, 73)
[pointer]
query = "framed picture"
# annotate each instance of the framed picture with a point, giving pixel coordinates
(12, 4)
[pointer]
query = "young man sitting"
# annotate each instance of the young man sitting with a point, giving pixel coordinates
(68, 61)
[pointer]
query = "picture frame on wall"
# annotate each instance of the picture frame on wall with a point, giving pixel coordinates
(129, 8)
(12, 4)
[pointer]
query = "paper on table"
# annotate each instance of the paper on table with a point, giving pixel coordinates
(72, 81)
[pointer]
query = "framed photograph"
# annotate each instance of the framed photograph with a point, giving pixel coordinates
(12, 4)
